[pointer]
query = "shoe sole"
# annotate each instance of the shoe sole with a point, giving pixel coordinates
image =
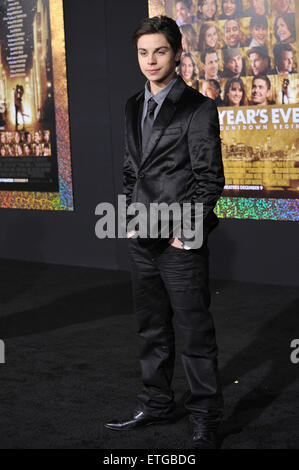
(168, 421)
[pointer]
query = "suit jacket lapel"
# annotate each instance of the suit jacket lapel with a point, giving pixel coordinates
(162, 121)
(134, 128)
(164, 117)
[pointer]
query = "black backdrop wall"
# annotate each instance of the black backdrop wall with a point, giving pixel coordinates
(103, 73)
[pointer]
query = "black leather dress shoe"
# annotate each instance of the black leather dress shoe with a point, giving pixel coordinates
(205, 439)
(138, 420)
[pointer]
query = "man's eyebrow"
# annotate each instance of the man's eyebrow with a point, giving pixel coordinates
(157, 49)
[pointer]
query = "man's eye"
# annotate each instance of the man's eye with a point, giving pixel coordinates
(161, 52)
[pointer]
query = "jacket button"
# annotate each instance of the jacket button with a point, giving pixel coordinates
(141, 176)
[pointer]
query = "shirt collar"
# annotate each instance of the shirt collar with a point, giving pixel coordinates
(159, 97)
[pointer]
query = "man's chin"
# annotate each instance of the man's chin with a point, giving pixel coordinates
(158, 78)
(155, 79)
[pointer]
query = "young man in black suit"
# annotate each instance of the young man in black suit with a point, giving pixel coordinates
(172, 154)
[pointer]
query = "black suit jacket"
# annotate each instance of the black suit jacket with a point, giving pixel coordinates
(183, 161)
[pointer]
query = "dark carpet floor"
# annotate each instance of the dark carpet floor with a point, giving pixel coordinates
(71, 362)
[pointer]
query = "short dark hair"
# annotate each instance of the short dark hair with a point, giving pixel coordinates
(258, 20)
(160, 25)
(204, 54)
(214, 83)
(261, 52)
(279, 49)
(262, 77)
(232, 19)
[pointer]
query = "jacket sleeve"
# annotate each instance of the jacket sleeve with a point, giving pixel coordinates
(129, 174)
(206, 160)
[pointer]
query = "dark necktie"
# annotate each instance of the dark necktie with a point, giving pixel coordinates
(148, 123)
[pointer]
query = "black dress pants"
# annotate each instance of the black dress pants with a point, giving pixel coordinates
(172, 283)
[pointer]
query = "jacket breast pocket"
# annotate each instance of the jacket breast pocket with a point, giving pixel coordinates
(172, 131)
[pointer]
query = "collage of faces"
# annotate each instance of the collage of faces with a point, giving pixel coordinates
(25, 144)
(239, 52)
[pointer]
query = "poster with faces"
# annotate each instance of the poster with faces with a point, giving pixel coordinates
(35, 157)
(243, 54)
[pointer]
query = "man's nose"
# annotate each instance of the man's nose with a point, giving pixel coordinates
(151, 59)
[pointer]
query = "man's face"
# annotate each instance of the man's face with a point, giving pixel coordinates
(232, 33)
(260, 92)
(259, 33)
(156, 58)
(182, 12)
(259, 7)
(9, 137)
(211, 65)
(235, 65)
(209, 91)
(258, 63)
(287, 60)
(282, 5)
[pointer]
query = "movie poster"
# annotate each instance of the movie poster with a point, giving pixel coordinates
(244, 55)
(35, 160)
